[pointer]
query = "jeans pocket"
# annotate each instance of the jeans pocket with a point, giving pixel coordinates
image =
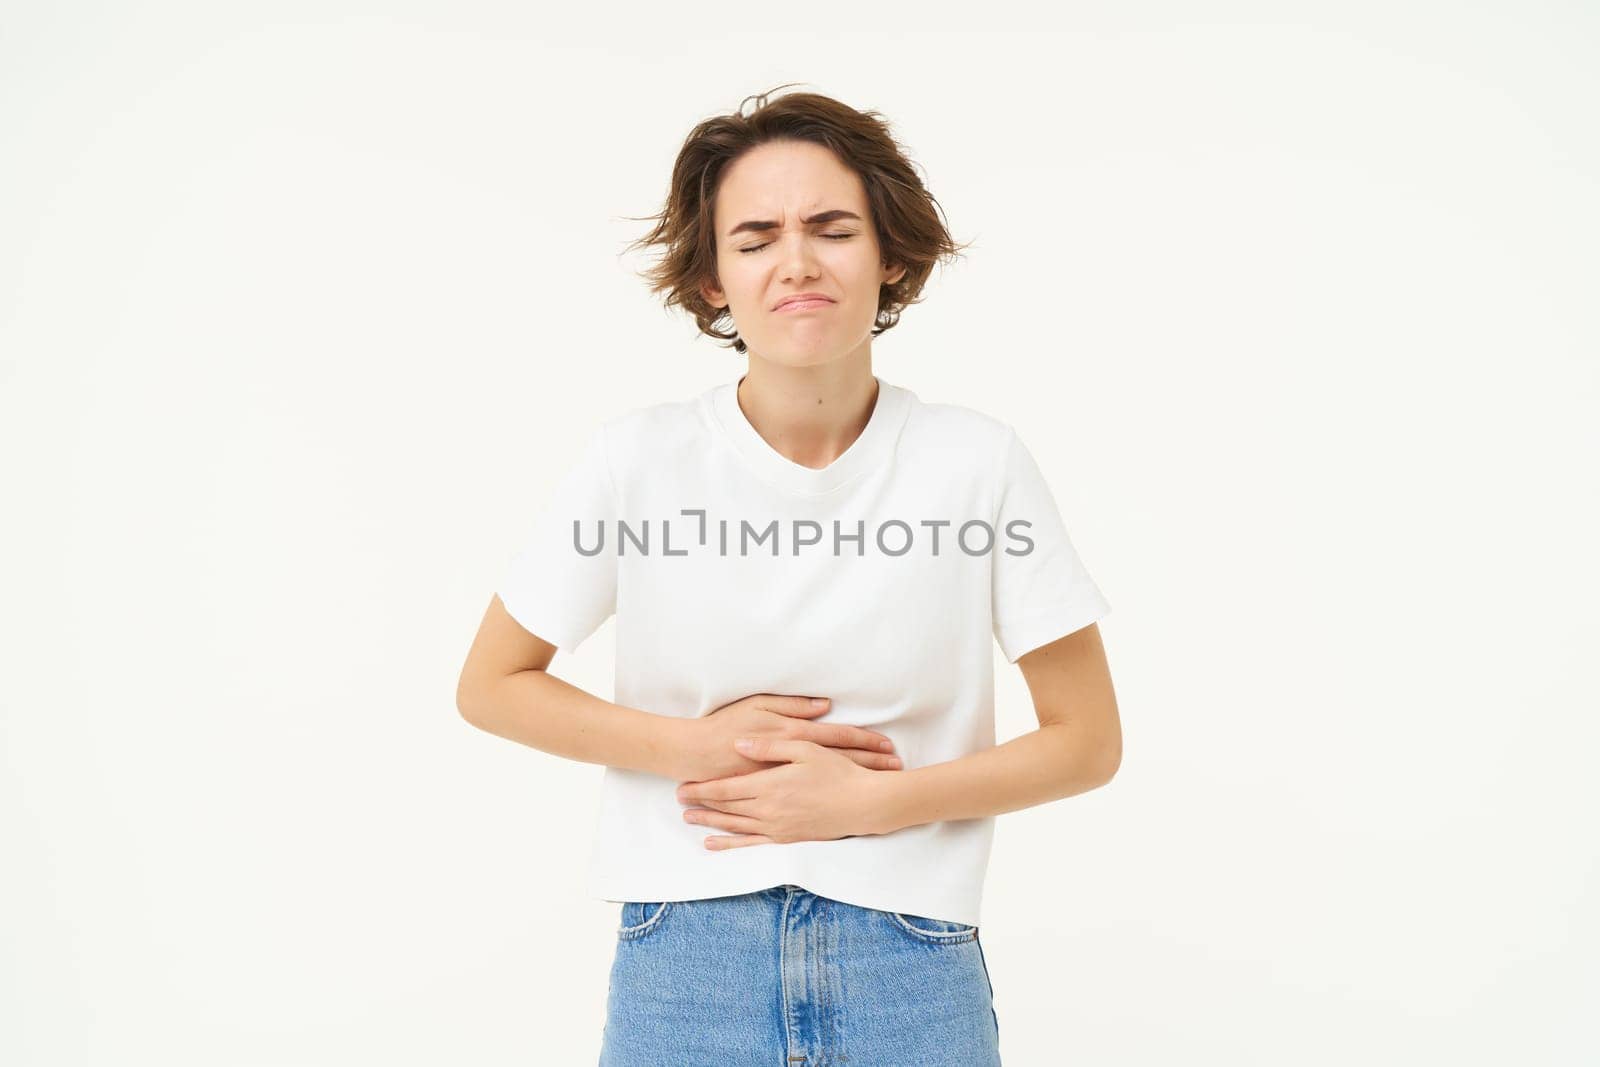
(641, 918)
(933, 931)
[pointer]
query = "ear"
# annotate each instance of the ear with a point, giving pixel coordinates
(893, 275)
(713, 295)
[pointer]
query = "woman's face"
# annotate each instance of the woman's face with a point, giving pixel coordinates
(765, 252)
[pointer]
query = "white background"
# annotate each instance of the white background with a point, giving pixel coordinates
(304, 307)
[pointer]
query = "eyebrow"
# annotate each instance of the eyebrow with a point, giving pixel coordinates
(817, 219)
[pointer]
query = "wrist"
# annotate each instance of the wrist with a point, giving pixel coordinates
(887, 809)
(680, 747)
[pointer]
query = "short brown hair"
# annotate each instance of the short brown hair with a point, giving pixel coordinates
(909, 229)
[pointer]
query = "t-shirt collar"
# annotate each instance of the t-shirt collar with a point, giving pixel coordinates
(868, 449)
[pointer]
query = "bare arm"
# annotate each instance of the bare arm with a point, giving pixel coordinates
(506, 691)
(1078, 747)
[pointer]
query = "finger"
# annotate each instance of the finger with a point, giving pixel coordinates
(718, 842)
(775, 749)
(875, 740)
(716, 790)
(742, 824)
(731, 807)
(800, 707)
(877, 761)
(837, 735)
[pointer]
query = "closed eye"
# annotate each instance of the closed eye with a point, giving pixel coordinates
(829, 236)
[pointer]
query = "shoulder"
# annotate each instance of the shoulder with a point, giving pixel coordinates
(650, 433)
(959, 430)
(961, 420)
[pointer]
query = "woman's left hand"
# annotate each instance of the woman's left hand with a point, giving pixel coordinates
(814, 794)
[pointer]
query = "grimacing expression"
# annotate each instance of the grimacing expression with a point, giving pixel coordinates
(791, 218)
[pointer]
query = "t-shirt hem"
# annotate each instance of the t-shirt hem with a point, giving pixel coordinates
(1020, 640)
(942, 904)
(562, 636)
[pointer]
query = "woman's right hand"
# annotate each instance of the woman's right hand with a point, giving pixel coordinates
(773, 715)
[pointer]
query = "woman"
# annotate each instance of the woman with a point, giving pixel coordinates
(813, 559)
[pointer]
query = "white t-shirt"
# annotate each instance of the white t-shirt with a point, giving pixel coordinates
(878, 581)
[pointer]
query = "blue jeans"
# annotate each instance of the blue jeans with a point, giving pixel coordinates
(782, 977)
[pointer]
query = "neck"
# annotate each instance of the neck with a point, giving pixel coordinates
(809, 415)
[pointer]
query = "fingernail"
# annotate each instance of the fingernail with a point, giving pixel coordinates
(886, 745)
(819, 702)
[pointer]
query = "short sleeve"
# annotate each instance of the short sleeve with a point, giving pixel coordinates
(562, 581)
(1041, 589)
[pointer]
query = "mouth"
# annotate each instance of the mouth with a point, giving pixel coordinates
(806, 303)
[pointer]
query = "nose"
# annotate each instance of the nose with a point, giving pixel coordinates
(799, 259)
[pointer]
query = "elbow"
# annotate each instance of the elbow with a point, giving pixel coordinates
(478, 695)
(1098, 758)
(1092, 758)
(469, 703)
(1110, 768)
(1110, 759)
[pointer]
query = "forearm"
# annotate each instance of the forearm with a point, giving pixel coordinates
(542, 711)
(1046, 764)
